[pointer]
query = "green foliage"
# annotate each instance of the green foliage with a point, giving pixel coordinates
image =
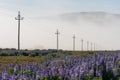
(42, 59)
(97, 78)
(107, 75)
(17, 72)
(86, 77)
(95, 67)
(4, 54)
(27, 71)
(78, 79)
(45, 78)
(57, 77)
(17, 59)
(11, 71)
(32, 54)
(118, 78)
(38, 79)
(25, 54)
(91, 52)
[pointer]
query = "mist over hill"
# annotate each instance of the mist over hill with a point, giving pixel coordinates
(98, 18)
(99, 27)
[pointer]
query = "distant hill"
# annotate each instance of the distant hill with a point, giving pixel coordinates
(94, 17)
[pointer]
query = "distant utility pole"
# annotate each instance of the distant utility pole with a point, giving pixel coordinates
(19, 18)
(57, 33)
(91, 46)
(87, 45)
(82, 45)
(94, 47)
(74, 42)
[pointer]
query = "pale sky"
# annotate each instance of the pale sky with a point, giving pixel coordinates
(43, 17)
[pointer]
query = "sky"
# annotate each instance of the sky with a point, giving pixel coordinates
(43, 17)
(59, 6)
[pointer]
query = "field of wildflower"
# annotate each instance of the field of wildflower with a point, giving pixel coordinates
(62, 66)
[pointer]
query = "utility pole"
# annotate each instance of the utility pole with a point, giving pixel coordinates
(94, 47)
(19, 18)
(57, 33)
(87, 45)
(82, 45)
(91, 46)
(74, 42)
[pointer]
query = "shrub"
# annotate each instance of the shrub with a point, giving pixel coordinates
(11, 71)
(4, 54)
(32, 55)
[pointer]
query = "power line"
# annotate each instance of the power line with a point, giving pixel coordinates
(19, 18)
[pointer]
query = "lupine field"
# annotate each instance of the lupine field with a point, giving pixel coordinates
(95, 66)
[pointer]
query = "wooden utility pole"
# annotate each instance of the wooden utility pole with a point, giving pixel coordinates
(74, 42)
(87, 45)
(82, 45)
(91, 46)
(57, 33)
(19, 18)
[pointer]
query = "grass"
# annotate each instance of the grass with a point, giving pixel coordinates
(4, 60)
(80, 52)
